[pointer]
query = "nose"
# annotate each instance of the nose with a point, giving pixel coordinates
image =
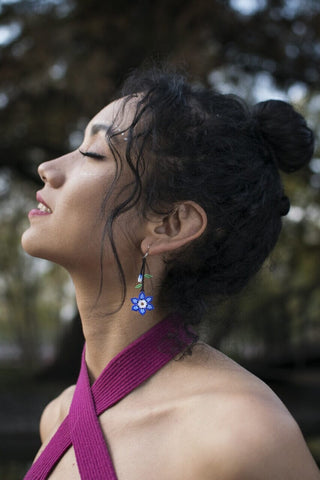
(52, 173)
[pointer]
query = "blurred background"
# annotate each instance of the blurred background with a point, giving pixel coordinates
(60, 62)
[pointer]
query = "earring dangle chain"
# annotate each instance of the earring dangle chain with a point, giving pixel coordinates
(142, 303)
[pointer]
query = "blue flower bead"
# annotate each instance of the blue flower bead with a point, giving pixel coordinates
(142, 303)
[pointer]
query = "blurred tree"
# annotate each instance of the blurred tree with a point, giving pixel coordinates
(65, 59)
(31, 292)
(18, 293)
(61, 61)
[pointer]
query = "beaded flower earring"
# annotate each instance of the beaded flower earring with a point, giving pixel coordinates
(142, 303)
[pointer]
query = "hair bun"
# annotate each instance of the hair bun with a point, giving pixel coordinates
(286, 132)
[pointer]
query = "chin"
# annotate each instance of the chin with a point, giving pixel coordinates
(42, 246)
(31, 245)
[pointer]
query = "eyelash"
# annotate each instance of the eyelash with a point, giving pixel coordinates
(92, 155)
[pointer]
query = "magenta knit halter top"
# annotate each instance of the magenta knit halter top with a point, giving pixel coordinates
(81, 428)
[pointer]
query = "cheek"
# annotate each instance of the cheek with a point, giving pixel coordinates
(81, 202)
(87, 188)
(80, 216)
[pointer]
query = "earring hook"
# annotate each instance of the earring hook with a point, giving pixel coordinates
(147, 252)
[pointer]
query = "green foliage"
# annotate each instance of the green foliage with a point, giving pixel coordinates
(32, 290)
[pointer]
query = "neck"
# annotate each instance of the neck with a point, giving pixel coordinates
(108, 329)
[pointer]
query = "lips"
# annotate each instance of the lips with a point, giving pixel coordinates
(42, 208)
(42, 205)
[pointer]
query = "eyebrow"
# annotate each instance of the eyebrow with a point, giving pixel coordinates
(98, 127)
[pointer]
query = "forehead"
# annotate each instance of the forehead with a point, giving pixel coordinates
(119, 113)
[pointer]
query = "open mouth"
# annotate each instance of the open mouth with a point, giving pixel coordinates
(44, 208)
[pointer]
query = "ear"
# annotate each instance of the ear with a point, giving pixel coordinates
(186, 223)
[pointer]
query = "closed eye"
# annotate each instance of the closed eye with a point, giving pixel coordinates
(97, 156)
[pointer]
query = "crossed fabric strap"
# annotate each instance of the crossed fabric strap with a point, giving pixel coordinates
(126, 371)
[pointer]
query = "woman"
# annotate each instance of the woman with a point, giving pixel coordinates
(178, 186)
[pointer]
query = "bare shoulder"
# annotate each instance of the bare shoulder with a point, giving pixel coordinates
(245, 431)
(54, 413)
(258, 443)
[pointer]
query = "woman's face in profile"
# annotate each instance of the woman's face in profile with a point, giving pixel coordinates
(69, 233)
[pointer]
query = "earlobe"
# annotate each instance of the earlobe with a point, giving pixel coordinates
(186, 223)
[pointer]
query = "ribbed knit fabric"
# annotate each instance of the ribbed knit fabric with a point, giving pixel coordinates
(126, 371)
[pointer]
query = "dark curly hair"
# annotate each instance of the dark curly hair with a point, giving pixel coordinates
(188, 142)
